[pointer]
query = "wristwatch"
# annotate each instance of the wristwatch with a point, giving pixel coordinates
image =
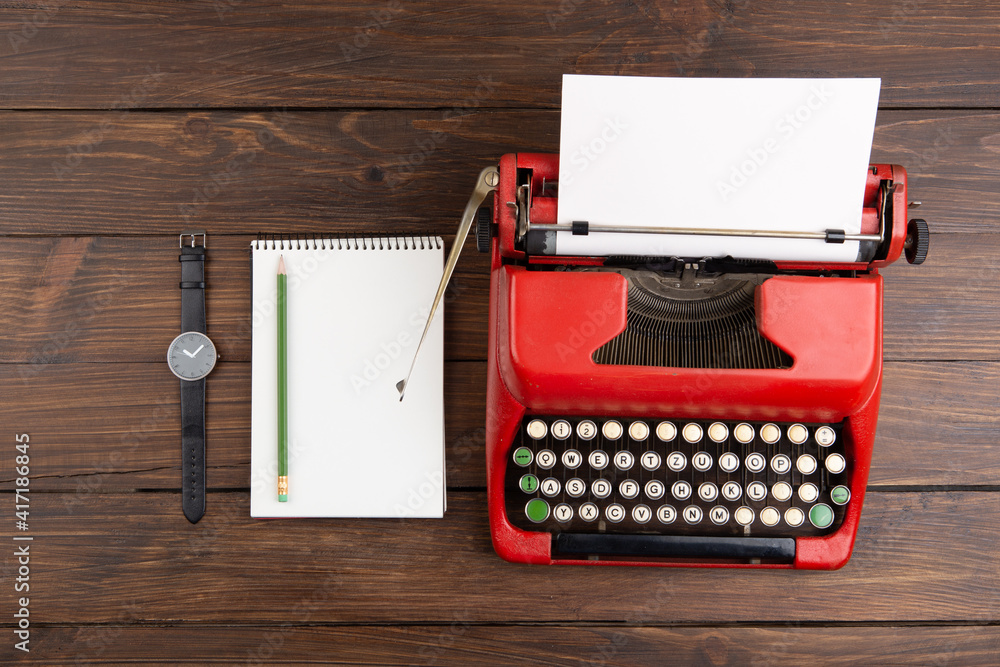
(191, 357)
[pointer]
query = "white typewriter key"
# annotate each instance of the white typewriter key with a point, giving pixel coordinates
(614, 512)
(781, 464)
(537, 429)
(572, 459)
(743, 434)
(638, 431)
(718, 432)
(601, 488)
(781, 491)
(794, 517)
(708, 491)
(692, 432)
(666, 514)
(770, 516)
(612, 430)
(731, 491)
(835, 463)
(654, 489)
(770, 433)
(550, 486)
(598, 460)
(624, 460)
(575, 487)
(756, 491)
(681, 490)
(586, 430)
(744, 516)
(650, 460)
(589, 512)
(701, 461)
(666, 431)
(719, 515)
(808, 493)
(756, 462)
(825, 436)
(676, 461)
(692, 514)
(729, 462)
(806, 464)
(798, 433)
(641, 514)
(546, 458)
(563, 512)
(561, 429)
(629, 488)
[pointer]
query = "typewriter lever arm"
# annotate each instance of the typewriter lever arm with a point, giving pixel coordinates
(487, 183)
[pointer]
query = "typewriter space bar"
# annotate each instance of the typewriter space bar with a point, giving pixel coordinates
(676, 546)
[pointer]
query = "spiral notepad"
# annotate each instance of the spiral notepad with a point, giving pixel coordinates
(356, 309)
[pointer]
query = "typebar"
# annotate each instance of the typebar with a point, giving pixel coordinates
(675, 546)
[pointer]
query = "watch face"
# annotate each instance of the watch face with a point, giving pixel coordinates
(191, 355)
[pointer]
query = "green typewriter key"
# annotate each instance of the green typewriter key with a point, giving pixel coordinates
(529, 483)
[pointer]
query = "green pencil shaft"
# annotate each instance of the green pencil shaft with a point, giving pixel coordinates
(282, 376)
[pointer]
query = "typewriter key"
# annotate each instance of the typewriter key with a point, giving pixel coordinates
(523, 456)
(586, 430)
(718, 432)
(624, 460)
(666, 514)
(821, 516)
(681, 490)
(731, 491)
(537, 510)
(575, 487)
(612, 430)
(641, 514)
(835, 463)
(729, 462)
(825, 436)
(601, 488)
(798, 434)
(840, 495)
(588, 511)
(561, 429)
(756, 491)
(563, 512)
(692, 432)
(744, 516)
(701, 461)
(572, 459)
(629, 488)
(808, 492)
(598, 460)
(692, 514)
(546, 458)
(794, 517)
(676, 461)
(638, 431)
(770, 433)
(770, 516)
(806, 464)
(650, 460)
(529, 483)
(654, 489)
(781, 491)
(537, 429)
(551, 486)
(781, 464)
(614, 512)
(756, 462)
(719, 515)
(666, 431)
(744, 434)
(708, 491)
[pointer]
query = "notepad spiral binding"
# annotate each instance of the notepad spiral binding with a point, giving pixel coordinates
(371, 242)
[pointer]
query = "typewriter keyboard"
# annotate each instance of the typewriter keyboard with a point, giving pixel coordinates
(680, 477)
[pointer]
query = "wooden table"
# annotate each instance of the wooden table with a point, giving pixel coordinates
(123, 125)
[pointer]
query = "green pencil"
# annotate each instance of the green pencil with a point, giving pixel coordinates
(282, 382)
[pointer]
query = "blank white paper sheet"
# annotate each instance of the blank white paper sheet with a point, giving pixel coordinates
(356, 309)
(756, 154)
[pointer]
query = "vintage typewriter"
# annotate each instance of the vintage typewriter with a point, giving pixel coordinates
(697, 411)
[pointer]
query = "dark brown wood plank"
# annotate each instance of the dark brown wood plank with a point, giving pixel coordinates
(417, 53)
(369, 171)
(462, 643)
(919, 556)
(117, 426)
(116, 299)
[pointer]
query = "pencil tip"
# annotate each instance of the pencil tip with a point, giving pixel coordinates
(401, 388)
(281, 264)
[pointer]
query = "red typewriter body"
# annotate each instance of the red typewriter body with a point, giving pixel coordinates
(550, 315)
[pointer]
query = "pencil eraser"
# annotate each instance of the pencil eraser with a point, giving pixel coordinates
(283, 498)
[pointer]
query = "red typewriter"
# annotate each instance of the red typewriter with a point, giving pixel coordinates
(671, 411)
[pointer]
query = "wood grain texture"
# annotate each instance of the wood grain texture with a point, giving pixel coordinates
(288, 171)
(118, 425)
(73, 299)
(417, 53)
(110, 554)
(464, 644)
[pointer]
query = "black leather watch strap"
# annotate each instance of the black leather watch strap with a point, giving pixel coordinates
(192, 286)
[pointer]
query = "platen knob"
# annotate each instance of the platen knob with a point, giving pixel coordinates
(918, 239)
(484, 228)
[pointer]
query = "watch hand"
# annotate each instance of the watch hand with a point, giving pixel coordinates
(200, 348)
(188, 353)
